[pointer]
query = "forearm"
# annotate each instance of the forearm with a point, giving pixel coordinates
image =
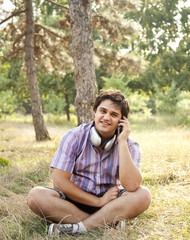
(129, 175)
(74, 193)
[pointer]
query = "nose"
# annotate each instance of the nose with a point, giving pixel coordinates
(107, 116)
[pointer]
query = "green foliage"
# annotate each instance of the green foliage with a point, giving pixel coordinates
(118, 82)
(58, 92)
(13, 87)
(184, 102)
(176, 104)
(183, 109)
(167, 100)
(138, 104)
(47, 8)
(7, 102)
(100, 74)
(162, 24)
(14, 94)
(53, 104)
(4, 162)
(138, 101)
(159, 25)
(145, 81)
(157, 88)
(171, 70)
(185, 13)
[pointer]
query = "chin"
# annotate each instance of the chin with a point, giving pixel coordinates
(105, 131)
(107, 134)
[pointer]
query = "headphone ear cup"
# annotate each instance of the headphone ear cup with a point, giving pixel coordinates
(96, 140)
(95, 137)
(108, 144)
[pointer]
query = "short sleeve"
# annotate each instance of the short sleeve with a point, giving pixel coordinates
(65, 156)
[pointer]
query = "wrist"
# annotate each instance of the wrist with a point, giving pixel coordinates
(122, 140)
(99, 202)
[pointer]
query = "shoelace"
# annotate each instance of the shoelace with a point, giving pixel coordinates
(66, 226)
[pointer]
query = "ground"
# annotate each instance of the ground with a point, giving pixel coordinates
(24, 163)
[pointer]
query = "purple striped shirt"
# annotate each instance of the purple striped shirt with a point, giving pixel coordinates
(91, 171)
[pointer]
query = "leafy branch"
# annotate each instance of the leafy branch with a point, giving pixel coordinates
(14, 13)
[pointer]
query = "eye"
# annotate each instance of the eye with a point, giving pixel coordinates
(114, 115)
(102, 110)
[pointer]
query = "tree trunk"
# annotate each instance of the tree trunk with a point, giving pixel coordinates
(82, 53)
(37, 115)
(67, 107)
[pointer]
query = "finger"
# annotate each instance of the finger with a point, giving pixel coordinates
(113, 197)
(113, 188)
(115, 193)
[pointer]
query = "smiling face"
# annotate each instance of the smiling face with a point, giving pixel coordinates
(107, 117)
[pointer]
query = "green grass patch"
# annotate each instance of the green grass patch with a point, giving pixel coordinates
(4, 162)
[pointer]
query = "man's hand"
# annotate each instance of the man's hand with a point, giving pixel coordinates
(124, 123)
(129, 175)
(110, 195)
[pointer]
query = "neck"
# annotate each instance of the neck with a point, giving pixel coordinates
(100, 150)
(105, 138)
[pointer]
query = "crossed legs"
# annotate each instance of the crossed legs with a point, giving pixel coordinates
(48, 204)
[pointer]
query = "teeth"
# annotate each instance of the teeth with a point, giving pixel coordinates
(105, 124)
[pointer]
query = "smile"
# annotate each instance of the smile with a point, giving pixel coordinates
(105, 124)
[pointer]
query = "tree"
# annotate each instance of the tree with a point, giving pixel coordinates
(52, 43)
(38, 121)
(163, 41)
(57, 92)
(82, 53)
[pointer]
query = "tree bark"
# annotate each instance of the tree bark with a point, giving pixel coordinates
(37, 115)
(82, 53)
(67, 107)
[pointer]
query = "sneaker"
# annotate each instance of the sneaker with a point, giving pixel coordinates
(58, 229)
(119, 225)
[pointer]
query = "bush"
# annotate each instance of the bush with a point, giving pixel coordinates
(183, 109)
(4, 162)
(117, 82)
(166, 102)
(54, 104)
(138, 104)
(7, 102)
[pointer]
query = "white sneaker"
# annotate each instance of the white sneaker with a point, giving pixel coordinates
(58, 229)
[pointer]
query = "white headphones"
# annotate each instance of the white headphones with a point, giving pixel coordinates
(97, 141)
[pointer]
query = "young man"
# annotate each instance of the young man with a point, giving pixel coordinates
(96, 176)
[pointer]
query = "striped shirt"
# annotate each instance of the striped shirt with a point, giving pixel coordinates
(91, 171)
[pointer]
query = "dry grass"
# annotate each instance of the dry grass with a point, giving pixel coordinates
(165, 167)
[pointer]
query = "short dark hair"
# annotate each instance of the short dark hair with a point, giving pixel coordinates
(117, 97)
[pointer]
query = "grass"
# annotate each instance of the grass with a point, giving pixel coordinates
(24, 163)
